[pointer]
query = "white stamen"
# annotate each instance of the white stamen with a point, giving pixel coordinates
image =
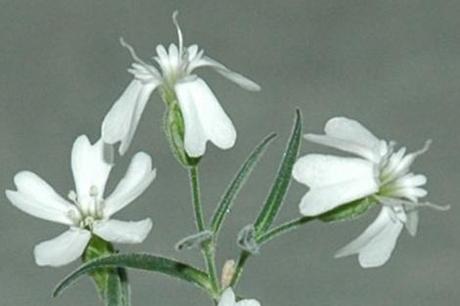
(93, 192)
(72, 196)
(137, 58)
(425, 148)
(179, 34)
(392, 202)
(434, 206)
(74, 215)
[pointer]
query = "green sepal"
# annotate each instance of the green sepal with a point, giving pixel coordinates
(348, 211)
(111, 283)
(174, 128)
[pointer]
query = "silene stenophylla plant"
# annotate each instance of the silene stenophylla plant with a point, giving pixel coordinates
(340, 188)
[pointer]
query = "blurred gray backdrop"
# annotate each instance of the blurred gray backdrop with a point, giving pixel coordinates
(394, 65)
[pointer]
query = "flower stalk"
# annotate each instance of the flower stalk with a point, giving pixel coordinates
(208, 247)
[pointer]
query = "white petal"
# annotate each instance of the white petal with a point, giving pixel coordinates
(348, 129)
(204, 118)
(248, 302)
(227, 298)
(123, 232)
(90, 170)
(137, 178)
(63, 249)
(37, 198)
(333, 181)
(320, 170)
(121, 121)
(350, 136)
(235, 77)
(376, 244)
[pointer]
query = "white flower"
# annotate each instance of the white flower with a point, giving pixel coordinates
(379, 173)
(228, 299)
(90, 212)
(204, 118)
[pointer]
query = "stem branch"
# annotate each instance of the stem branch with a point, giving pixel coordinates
(282, 229)
(264, 238)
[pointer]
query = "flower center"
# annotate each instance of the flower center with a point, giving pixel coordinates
(89, 209)
(394, 173)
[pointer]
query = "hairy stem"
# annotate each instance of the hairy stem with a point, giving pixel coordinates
(196, 199)
(208, 247)
(282, 229)
(264, 238)
(244, 255)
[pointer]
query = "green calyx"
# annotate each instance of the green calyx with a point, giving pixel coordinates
(111, 283)
(348, 211)
(174, 128)
(97, 248)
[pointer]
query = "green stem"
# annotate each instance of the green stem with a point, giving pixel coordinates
(282, 229)
(208, 247)
(244, 255)
(264, 238)
(197, 208)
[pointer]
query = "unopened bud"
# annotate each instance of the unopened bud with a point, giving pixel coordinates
(175, 130)
(228, 270)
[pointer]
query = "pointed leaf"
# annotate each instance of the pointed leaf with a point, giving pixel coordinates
(143, 262)
(238, 181)
(283, 178)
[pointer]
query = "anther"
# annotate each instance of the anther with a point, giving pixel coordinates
(93, 192)
(137, 58)
(72, 195)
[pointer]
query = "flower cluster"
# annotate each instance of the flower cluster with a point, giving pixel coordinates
(340, 187)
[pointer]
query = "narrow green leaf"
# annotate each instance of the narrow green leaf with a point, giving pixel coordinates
(237, 183)
(143, 262)
(283, 178)
(347, 211)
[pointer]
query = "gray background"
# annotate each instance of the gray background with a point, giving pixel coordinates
(393, 65)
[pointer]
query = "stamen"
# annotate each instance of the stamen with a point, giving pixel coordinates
(72, 196)
(179, 34)
(411, 205)
(435, 206)
(74, 216)
(93, 192)
(137, 58)
(425, 148)
(100, 209)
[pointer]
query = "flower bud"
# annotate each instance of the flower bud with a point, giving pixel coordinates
(175, 129)
(228, 271)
